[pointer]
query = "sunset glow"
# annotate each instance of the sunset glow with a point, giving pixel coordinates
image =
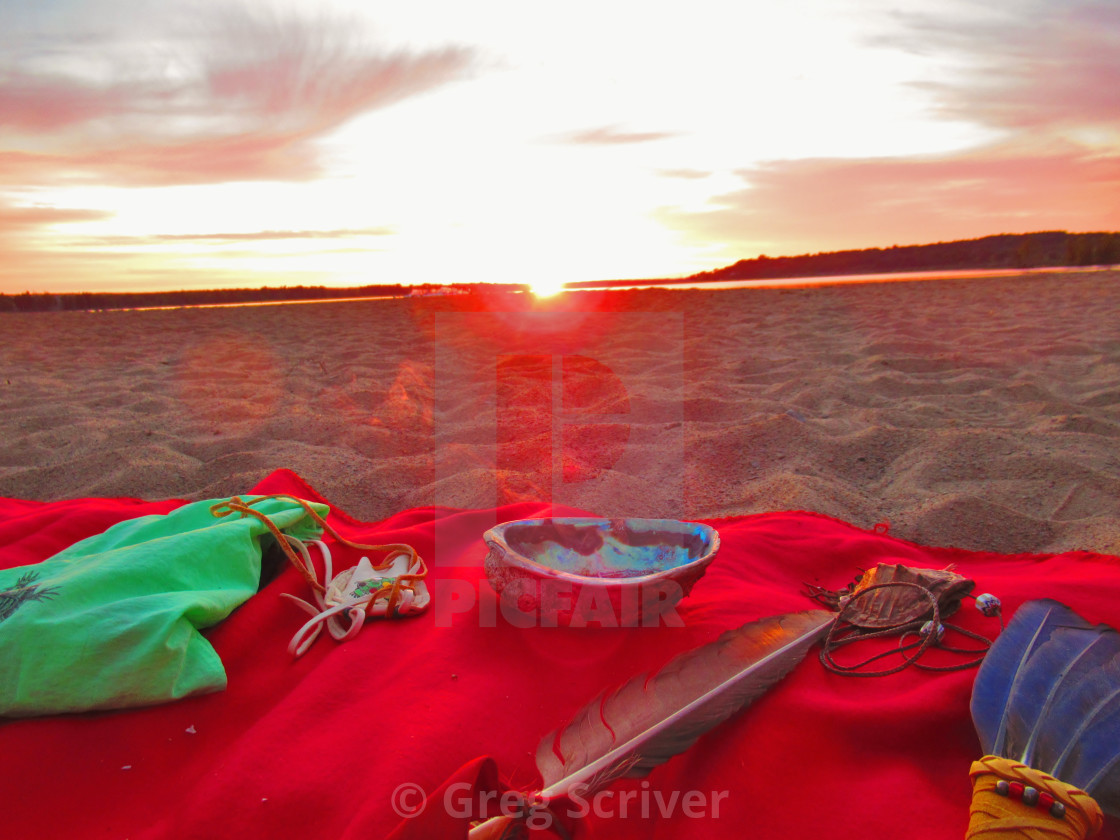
(546, 288)
(150, 145)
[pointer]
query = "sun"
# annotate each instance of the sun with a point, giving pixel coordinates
(546, 287)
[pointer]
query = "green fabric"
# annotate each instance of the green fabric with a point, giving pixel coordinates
(113, 621)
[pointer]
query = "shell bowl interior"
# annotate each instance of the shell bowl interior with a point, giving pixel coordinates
(606, 549)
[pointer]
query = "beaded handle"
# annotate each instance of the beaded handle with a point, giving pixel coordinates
(1011, 801)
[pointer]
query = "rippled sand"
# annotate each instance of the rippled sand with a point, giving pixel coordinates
(975, 413)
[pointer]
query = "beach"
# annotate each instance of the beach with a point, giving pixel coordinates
(980, 414)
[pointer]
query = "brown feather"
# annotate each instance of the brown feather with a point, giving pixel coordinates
(650, 719)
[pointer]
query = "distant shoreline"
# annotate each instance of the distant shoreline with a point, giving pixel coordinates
(999, 255)
(181, 300)
(487, 289)
(107, 301)
(830, 279)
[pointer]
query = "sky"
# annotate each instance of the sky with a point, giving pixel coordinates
(164, 144)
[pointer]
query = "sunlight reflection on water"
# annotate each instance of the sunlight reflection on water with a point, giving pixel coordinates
(837, 279)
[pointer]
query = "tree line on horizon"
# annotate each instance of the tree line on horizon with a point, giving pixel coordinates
(93, 301)
(1055, 249)
(1047, 249)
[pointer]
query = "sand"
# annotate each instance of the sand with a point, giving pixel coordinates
(982, 414)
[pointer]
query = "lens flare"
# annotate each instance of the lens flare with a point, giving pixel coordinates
(546, 287)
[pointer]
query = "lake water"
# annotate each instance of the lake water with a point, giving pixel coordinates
(776, 283)
(835, 279)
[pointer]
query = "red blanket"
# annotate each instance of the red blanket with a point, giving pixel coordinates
(338, 743)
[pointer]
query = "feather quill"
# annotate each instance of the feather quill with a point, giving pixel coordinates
(652, 718)
(1048, 695)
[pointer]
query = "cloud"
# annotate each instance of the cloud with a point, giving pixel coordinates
(799, 206)
(685, 174)
(317, 75)
(237, 236)
(1044, 73)
(19, 219)
(611, 136)
(23, 261)
(273, 235)
(58, 270)
(1039, 64)
(242, 96)
(42, 104)
(36, 262)
(250, 156)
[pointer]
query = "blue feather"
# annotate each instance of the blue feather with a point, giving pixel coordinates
(1088, 754)
(1055, 672)
(1048, 694)
(1000, 672)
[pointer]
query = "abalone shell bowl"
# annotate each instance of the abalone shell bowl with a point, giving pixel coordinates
(577, 571)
